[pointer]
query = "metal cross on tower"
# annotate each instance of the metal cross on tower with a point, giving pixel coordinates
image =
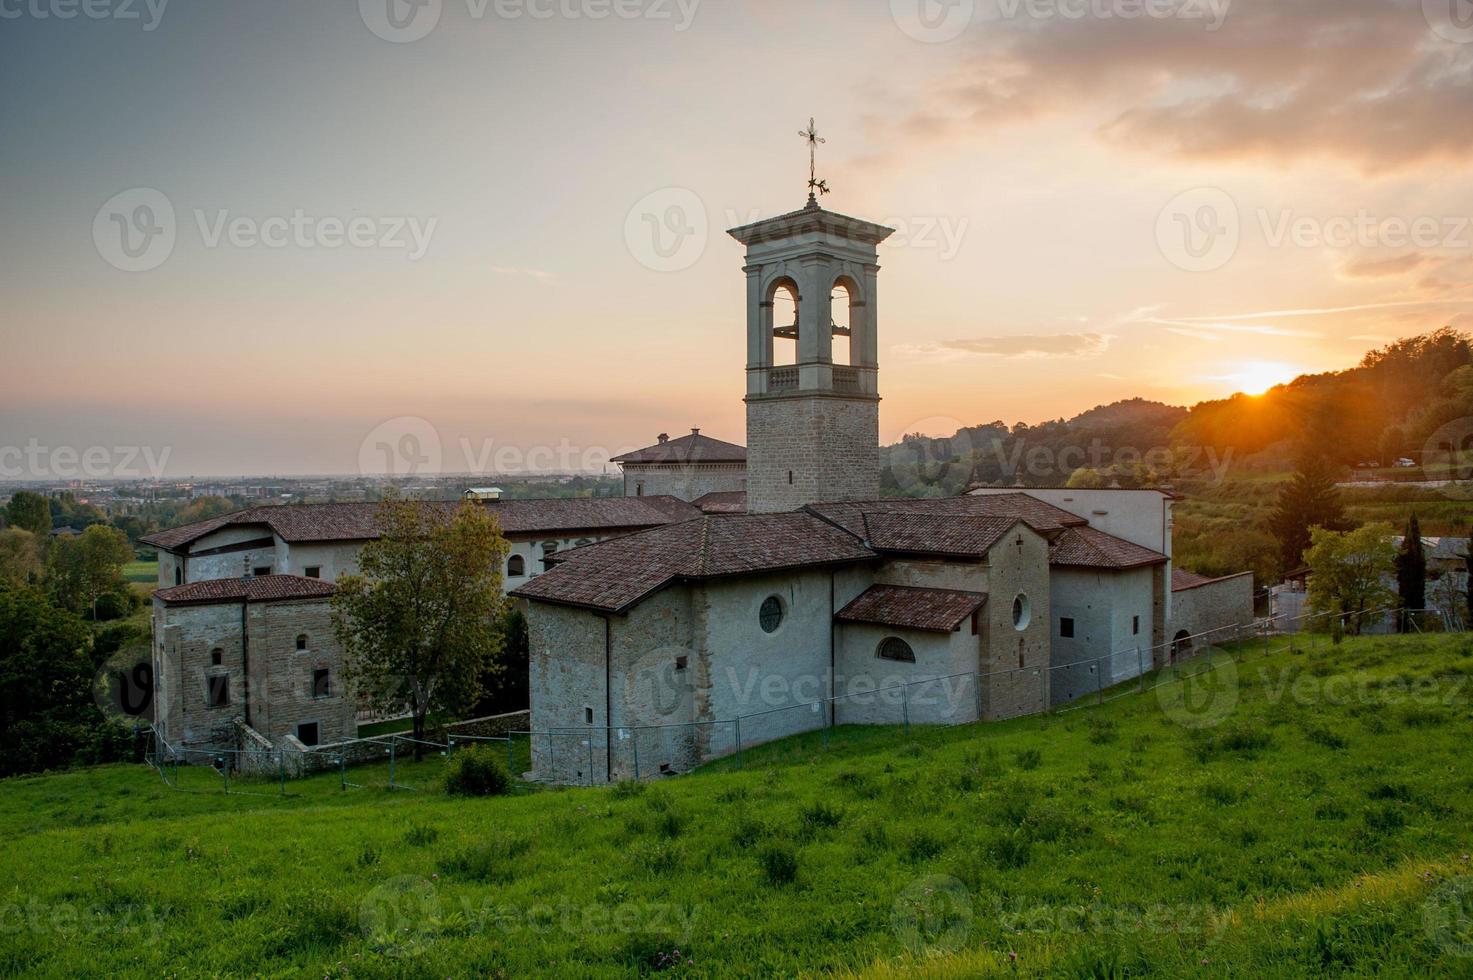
(815, 186)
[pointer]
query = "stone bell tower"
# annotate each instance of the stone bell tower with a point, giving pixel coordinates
(813, 425)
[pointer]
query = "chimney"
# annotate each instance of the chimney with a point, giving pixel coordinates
(664, 437)
(245, 570)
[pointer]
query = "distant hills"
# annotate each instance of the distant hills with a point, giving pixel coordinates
(1401, 398)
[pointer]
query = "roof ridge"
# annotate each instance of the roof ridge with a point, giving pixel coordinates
(703, 549)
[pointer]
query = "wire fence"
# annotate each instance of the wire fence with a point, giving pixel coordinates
(591, 755)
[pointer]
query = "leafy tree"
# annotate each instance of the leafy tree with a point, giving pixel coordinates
(1350, 571)
(46, 710)
(29, 512)
(80, 569)
(20, 557)
(420, 624)
(1309, 500)
(508, 687)
(1411, 572)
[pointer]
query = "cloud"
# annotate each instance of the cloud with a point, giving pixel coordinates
(1022, 345)
(1363, 81)
(1208, 329)
(541, 275)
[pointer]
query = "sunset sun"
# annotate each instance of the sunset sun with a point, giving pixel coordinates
(1257, 377)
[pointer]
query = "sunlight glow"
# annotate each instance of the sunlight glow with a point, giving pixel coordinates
(1257, 377)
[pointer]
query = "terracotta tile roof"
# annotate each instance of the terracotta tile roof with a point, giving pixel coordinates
(1181, 579)
(723, 502)
(950, 535)
(359, 521)
(1087, 547)
(693, 448)
(904, 607)
(261, 588)
(1042, 517)
(616, 574)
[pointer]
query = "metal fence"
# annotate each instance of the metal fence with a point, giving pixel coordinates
(593, 755)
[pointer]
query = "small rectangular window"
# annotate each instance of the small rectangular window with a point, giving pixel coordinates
(321, 683)
(217, 691)
(313, 571)
(588, 716)
(681, 663)
(217, 657)
(1066, 628)
(263, 570)
(307, 733)
(1135, 625)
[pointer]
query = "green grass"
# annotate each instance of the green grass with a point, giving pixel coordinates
(141, 572)
(1321, 828)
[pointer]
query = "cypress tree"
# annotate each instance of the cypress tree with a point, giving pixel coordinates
(1308, 500)
(1411, 572)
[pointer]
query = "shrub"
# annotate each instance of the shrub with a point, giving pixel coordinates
(475, 772)
(1028, 759)
(627, 789)
(819, 815)
(1011, 851)
(923, 845)
(421, 836)
(779, 864)
(1102, 731)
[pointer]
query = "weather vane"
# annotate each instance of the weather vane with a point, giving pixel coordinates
(815, 186)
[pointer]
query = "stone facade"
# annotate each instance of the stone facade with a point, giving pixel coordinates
(808, 448)
(687, 481)
(1212, 607)
(1111, 615)
(257, 663)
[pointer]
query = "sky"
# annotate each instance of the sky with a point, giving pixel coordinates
(290, 237)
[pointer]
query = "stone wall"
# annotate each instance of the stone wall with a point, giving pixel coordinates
(687, 482)
(1113, 614)
(283, 697)
(1214, 605)
(803, 449)
(1016, 660)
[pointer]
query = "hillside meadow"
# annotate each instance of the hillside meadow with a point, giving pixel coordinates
(1301, 813)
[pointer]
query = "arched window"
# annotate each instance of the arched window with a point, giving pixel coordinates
(894, 648)
(845, 313)
(301, 641)
(516, 566)
(770, 616)
(782, 320)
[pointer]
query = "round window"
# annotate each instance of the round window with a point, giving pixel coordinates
(771, 614)
(1022, 612)
(894, 648)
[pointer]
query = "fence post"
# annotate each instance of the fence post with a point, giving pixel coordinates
(393, 745)
(343, 772)
(281, 769)
(634, 737)
(905, 707)
(225, 773)
(739, 741)
(1140, 663)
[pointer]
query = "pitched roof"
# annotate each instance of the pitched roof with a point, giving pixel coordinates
(260, 588)
(1182, 580)
(950, 535)
(905, 607)
(614, 575)
(1088, 547)
(1042, 517)
(723, 502)
(359, 521)
(693, 448)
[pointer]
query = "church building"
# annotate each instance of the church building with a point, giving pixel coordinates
(817, 603)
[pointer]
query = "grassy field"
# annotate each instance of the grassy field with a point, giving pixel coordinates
(1301, 814)
(142, 572)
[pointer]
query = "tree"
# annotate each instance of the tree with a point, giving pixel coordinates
(1411, 572)
(420, 623)
(46, 708)
(29, 512)
(20, 557)
(1350, 571)
(82, 568)
(1309, 500)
